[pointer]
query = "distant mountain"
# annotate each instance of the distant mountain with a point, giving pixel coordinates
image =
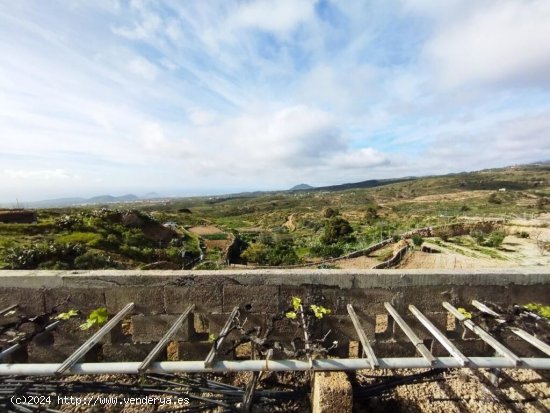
(300, 187)
(109, 198)
(371, 183)
(64, 202)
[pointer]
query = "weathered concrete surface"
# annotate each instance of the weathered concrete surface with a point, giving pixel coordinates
(331, 393)
(336, 278)
(160, 296)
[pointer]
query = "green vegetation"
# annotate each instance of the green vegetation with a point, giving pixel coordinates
(97, 318)
(325, 224)
(541, 310)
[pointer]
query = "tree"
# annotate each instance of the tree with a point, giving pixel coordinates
(337, 229)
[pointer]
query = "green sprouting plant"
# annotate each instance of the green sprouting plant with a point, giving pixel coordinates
(296, 302)
(319, 311)
(464, 312)
(541, 310)
(291, 314)
(211, 338)
(98, 317)
(65, 316)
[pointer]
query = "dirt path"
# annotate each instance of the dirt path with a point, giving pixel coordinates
(205, 230)
(465, 391)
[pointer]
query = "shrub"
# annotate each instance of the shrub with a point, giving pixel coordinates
(327, 251)
(256, 253)
(337, 229)
(522, 234)
(417, 240)
(330, 212)
(478, 236)
(42, 254)
(494, 199)
(91, 260)
(495, 239)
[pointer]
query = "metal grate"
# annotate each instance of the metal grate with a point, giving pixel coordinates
(369, 360)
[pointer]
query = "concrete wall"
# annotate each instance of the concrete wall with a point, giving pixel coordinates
(160, 296)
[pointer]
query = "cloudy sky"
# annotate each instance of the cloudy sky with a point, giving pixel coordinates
(198, 97)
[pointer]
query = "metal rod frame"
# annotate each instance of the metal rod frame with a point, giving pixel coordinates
(439, 336)
(165, 339)
(419, 344)
(485, 336)
(367, 348)
(8, 309)
(221, 337)
(273, 365)
(531, 339)
(92, 341)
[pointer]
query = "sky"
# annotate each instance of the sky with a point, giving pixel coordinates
(207, 97)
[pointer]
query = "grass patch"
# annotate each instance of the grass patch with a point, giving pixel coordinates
(88, 238)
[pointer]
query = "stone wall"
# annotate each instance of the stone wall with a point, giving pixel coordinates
(160, 296)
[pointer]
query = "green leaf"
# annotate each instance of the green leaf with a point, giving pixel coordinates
(98, 317)
(464, 312)
(211, 338)
(291, 315)
(541, 310)
(296, 302)
(67, 315)
(319, 311)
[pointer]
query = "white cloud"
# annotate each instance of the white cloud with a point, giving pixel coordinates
(37, 175)
(142, 67)
(495, 41)
(280, 17)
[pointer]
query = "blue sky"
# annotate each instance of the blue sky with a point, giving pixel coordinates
(201, 97)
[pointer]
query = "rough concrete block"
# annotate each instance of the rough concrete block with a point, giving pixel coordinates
(392, 348)
(252, 298)
(289, 291)
(148, 329)
(82, 299)
(128, 352)
(193, 350)
(57, 354)
(331, 393)
(285, 330)
(30, 300)
(207, 298)
(216, 322)
(147, 300)
(200, 323)
(343, 327)
(364, 301)
(68, 333)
